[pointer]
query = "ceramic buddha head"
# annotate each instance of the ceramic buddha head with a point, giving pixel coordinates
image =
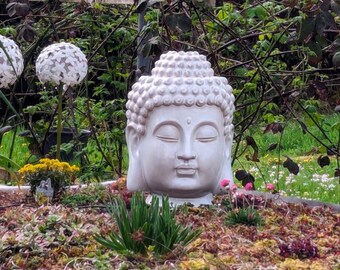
(179, 129)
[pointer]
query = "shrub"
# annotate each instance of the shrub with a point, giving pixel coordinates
(147, 228)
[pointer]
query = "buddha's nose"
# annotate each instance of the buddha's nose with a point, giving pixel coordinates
(186, 152)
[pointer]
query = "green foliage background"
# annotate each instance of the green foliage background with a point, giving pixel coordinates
(281, 58)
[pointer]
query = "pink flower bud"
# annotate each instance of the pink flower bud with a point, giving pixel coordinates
(249, 186)
(241, 195)
(234, 188)
(270, 186)
(225, 182)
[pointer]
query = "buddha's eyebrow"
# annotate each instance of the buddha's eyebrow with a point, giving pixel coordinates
(208, 123)
(167, 122)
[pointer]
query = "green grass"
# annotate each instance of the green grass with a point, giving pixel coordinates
(312, 181)
(20, 153)
(294, 142)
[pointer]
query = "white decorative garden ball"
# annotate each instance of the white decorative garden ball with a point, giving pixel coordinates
(61, 63)
(11, 62)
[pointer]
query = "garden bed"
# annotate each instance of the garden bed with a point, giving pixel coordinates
(293, 236)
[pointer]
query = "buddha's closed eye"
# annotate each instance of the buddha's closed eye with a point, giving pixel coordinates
(206, 133)
(167, 133)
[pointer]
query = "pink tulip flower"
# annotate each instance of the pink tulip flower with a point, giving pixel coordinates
(241, 195)
(270, 187)
(225, 182)
(249, 186)
(233, 188)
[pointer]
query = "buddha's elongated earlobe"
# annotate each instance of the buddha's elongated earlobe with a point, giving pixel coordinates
(228, 146)
(132, 139)
(135, 180)
(226, 170)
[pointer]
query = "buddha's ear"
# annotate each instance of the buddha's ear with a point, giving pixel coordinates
(135, 180)
(132, 140)
(228, 146)
(226, 171)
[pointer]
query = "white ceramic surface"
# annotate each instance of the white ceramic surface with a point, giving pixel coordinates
(11, 62)
(61, 63)
(179, 130)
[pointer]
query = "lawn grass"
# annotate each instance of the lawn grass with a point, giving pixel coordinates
(20, 153)
(312, 181)
(293, 140)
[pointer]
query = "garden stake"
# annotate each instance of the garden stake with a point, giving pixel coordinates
(60, 100)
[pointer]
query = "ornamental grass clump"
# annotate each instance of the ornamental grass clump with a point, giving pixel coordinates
(146, 229)
(61, 174)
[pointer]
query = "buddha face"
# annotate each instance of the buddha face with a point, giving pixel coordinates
(183, 150)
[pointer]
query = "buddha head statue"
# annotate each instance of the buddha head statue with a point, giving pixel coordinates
(179, 129)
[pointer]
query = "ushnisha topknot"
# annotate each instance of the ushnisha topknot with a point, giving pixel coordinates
(180, 79)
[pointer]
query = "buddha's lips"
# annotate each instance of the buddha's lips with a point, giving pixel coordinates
(186, 170)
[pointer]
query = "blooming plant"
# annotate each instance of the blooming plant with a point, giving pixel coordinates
(271, 188)
(60, 173)
(241, 206)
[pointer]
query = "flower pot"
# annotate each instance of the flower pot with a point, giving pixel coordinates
(67, 135)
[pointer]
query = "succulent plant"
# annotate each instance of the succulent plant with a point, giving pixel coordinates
(301, 248)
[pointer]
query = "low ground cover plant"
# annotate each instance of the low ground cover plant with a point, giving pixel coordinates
(61, 237)
(90, 195)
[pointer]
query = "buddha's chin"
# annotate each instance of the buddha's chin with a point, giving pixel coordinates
(193, 194)
(184, 188)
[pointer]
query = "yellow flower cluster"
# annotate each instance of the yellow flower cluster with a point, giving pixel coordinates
(49, 165)
(60, 173)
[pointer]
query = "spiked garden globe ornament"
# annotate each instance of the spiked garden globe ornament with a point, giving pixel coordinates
(11, 62)
(62, 64)
(11, 65)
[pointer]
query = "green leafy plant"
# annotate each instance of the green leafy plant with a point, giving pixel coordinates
(10, 166)
(247, 216)
(146, 228)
